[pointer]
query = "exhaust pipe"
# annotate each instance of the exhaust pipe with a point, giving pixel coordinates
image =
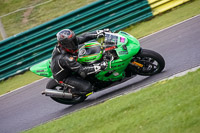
(57, 94)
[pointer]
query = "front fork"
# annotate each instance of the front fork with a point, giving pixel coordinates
(130, 70)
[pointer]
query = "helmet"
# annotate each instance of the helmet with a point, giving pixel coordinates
(67, 40)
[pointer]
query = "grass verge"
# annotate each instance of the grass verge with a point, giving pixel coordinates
(170, 106)
(26, 19)
(139, 30)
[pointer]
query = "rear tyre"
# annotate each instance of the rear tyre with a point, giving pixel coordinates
(147, 63)
(52, 84)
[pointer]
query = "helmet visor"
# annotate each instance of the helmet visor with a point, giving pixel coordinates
(69, 44)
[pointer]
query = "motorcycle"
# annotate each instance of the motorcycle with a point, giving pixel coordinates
(125, 59)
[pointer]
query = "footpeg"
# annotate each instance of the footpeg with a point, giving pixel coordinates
(43, 92)
(89, 93)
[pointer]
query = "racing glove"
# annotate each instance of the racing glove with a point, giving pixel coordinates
(95, 68)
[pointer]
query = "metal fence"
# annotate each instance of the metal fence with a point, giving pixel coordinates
(23, 50)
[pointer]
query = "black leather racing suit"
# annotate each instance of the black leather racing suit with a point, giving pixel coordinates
(64, 63)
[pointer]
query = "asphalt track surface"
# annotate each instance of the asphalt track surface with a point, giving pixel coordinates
(26, 107)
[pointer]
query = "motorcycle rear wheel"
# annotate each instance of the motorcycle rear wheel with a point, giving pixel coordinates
(52, 84)
(147, 63)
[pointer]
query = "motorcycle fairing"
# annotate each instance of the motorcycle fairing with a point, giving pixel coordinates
(42, 69)
(125, 47)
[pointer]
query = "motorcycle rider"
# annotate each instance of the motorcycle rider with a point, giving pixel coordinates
(64, 62)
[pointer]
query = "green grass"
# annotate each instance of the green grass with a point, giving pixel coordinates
(14, 23)
(170, 106)
(139, 30)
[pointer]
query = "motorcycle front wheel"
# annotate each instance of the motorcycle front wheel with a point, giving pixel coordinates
(52, 84)
(147, 63)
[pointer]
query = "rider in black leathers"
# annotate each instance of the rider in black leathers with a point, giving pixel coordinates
(64, 61)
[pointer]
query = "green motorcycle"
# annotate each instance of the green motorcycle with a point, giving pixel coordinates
(125, 59)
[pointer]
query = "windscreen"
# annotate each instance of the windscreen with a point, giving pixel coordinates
(110, 39)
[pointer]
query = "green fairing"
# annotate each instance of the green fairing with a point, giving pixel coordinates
(127, 46)
(118, 66)
(42, 69)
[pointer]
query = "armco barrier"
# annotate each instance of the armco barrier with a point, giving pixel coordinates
(23, 50)
(159, 6)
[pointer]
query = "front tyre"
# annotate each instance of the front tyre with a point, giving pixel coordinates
(147, 63)
(52, 84)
